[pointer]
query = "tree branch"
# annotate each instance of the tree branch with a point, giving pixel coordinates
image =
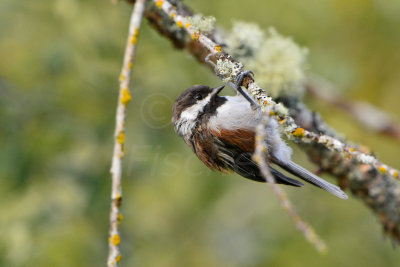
(367, 177)
(365, 114)
(124, 98)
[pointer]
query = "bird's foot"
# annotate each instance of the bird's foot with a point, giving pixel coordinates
(239, 79)
(238, 84)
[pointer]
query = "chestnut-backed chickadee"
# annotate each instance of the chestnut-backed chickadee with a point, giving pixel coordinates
(221, 132)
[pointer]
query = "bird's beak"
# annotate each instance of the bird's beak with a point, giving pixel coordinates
(216, 90)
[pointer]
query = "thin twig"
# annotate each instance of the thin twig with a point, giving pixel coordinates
(261, 160)
(114, 255)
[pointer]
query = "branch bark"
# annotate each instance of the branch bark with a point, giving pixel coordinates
(367, 178)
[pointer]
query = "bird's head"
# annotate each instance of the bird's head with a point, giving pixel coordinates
(193, 103)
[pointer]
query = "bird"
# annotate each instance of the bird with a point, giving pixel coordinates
(220, 130)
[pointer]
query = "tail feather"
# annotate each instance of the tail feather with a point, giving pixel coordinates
(283, 179)
(311, 178)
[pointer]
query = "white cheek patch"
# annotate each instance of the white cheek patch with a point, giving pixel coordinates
(187, 120)
(192, 112)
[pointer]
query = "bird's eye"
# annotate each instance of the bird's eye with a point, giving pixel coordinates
(198, 97)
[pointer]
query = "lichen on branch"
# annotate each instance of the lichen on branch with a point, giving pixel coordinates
(277, 61)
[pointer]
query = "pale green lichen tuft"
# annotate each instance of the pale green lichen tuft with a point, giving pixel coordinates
(244, 39)
(201, 23)
(366, 159)
(277, 61)
(228, 69)
(281, 109)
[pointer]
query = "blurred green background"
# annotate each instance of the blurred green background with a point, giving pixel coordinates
(59, 67)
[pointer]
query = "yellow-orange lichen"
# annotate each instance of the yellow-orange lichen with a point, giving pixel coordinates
(119, 217)
(121, 137)
(352, 149)
(133, 39)
(115, 239)
(195, 36)
(118, 197)
(118, 258)
(382, 169)
(218, 48)
(134, 36)
(159, 3)
(299, 132)
(125, 96)
(179, 23)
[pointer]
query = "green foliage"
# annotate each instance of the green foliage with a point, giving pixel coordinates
(59, 67)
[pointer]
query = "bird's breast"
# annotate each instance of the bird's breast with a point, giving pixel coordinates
(236, 113)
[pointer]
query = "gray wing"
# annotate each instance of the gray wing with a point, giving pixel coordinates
(246, 167)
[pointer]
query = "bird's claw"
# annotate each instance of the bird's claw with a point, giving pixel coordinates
(239, 79)
(238, 83)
